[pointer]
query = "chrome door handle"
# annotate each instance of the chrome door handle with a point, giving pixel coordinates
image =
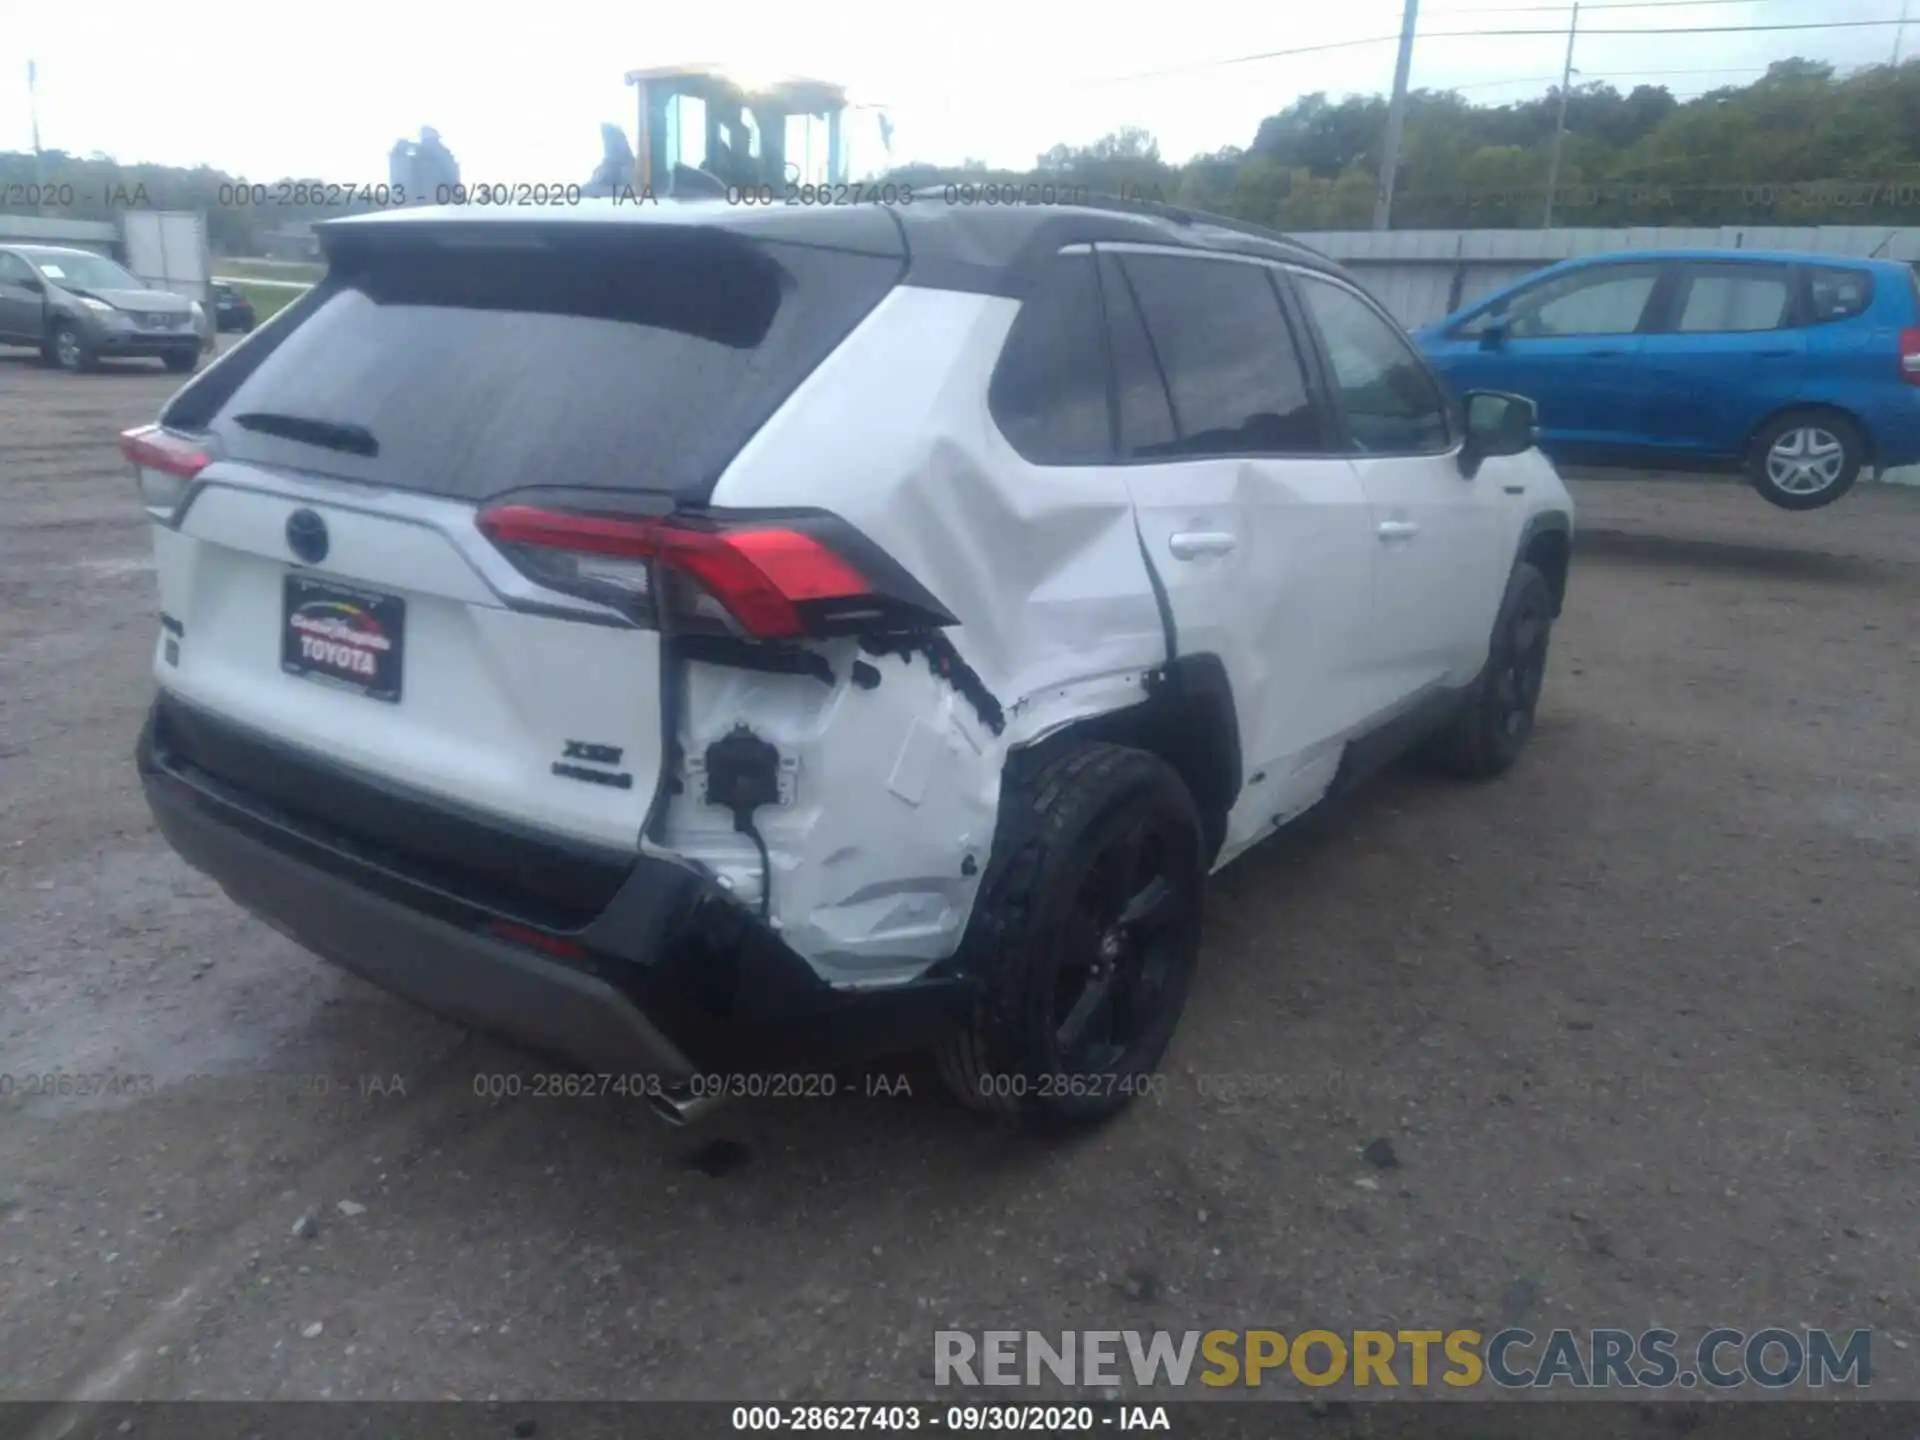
(1190, 544)
(1398, 529)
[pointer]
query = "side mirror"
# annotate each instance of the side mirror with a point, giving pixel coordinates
(1494, 333)
(33, 283)
(1497, 424)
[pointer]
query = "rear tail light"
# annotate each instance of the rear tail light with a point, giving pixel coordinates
(164, 464)
(1910, 355)
(767, 580)
(556, 945)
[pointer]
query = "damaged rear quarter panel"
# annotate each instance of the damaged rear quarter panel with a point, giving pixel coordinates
(897, 786)
(892, 793)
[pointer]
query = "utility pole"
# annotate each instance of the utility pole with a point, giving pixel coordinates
(1900, 33)
(1560, 128)
(33, 112)
(1396, 118)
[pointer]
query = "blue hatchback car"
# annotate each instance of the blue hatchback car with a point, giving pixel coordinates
(1802, 370)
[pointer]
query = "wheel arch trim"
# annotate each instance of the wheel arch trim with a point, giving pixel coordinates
(1188, 719)
(1540, 525)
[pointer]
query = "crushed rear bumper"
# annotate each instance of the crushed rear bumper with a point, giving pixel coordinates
(667, 977)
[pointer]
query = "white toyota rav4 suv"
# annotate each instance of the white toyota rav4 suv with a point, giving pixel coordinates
(701, 640)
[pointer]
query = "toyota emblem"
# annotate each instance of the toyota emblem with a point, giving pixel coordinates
(307, 536)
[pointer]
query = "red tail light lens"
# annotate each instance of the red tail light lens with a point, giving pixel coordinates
(557, 945)
(1910, 355)
(761, 574)
(162, 450)
(163, 463)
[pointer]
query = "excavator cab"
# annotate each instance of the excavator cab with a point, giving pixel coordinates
(703, 132)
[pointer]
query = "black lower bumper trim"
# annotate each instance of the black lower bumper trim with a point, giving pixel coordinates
(671, 979)
(145, 348)
(462, 974)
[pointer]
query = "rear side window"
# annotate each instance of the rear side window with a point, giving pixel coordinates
(1835, 294)
(1049, 391)
(616, 361)
(1233, 371)
(1734, 298)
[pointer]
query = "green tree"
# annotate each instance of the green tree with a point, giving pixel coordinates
(1802, 145)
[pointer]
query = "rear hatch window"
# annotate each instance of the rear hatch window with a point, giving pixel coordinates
(614, 357)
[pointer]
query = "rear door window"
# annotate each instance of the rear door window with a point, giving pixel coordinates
(1234, 371)
(1733, 298)
(1049, 391)
(615, 361)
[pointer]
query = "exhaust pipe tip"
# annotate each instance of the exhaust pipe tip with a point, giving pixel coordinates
(680, 1109)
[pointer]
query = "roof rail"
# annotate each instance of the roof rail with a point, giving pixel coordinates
(1184, 215)
(1161, 210)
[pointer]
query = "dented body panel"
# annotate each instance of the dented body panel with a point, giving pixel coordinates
(721, 679)
(1073, 589)
(897, 785)
(875, 857)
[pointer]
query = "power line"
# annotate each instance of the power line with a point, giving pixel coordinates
(1512, 80)
(1250, 59)
(1611, 74)
(1636, 74)
(1604, 5)
(1557, 33)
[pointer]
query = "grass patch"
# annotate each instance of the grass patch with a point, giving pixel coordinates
(301, 270)
(268, 300)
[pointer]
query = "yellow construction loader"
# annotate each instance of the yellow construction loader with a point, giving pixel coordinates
(705, 132)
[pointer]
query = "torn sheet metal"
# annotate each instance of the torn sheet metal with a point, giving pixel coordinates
(876, 864)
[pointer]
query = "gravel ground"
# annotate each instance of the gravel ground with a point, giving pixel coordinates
(1637, 1022)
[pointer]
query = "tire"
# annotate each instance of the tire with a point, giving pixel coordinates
(1804, 459)
(1493, 725)
(181, 363)
(68, 349)
(1085, 935)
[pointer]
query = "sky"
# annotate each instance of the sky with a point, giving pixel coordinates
(324, 91)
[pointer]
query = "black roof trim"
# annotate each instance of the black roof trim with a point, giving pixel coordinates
(1184, 216)
(951, 245)
(997, 249)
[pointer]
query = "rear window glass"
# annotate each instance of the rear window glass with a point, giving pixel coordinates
(1838, 294)
(629, 362)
